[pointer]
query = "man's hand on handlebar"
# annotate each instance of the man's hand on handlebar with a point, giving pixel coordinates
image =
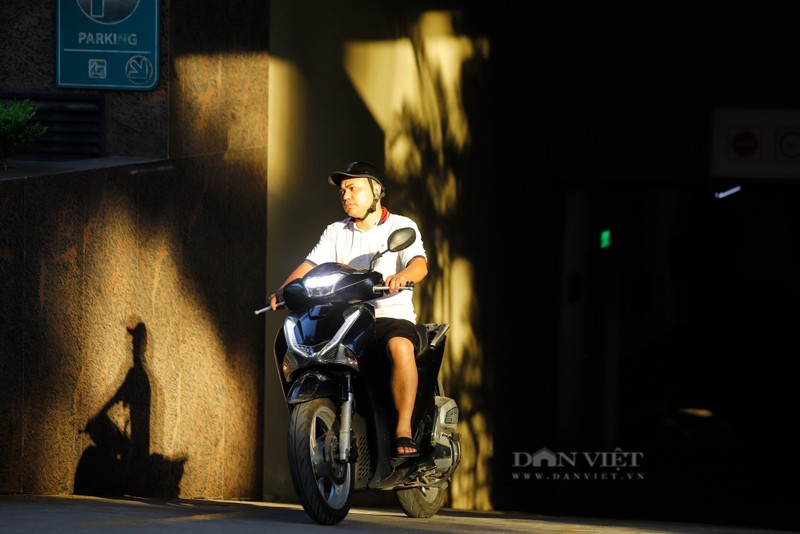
(273, 303)
(396, 282)
(276, 299)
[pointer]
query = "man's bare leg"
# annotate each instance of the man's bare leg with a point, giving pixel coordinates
(404, 386)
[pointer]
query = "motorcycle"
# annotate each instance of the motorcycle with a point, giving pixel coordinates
(337, 386)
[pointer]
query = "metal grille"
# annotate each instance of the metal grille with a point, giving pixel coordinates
(74, 125)
(363, 467)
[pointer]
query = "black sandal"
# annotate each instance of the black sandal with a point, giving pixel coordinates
(407, 444)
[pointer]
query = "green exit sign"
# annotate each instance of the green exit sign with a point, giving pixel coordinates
(605, 238)
(107, 44)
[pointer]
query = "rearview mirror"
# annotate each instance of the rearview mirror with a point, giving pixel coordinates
(400, 239)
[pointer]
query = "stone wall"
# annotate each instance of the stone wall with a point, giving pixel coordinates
(127, 311)
(130, 357)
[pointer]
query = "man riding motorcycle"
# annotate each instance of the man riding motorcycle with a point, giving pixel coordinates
(354, 241)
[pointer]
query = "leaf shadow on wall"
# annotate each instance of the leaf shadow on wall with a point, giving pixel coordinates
(119, 462)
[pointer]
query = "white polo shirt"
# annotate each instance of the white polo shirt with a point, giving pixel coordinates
(344, 242)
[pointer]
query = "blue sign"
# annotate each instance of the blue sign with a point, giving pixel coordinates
(108, 44)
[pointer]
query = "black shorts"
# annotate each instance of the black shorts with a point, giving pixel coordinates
(386, 328)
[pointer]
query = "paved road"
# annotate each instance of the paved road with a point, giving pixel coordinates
(27, 513)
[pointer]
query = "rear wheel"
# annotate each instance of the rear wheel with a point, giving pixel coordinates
(420, 502)
(323, 484)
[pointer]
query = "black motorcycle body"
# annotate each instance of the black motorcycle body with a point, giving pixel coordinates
(336, 382)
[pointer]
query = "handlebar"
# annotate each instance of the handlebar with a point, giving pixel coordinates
(409, 286)
(267, 308)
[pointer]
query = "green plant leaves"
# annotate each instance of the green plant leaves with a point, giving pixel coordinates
(17, 130)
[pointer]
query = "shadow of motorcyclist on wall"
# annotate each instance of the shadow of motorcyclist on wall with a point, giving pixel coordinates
(119, 461)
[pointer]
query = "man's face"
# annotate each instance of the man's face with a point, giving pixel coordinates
(356, 196)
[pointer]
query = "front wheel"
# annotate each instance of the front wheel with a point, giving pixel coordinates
(421, 501)
(323, 484)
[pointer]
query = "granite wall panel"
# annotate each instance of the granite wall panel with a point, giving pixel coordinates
(131, 358)
(138, 364)
(12, 254)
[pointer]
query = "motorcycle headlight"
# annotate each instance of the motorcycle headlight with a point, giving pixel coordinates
(322, 286)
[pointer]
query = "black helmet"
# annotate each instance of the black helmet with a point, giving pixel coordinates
(357, 169)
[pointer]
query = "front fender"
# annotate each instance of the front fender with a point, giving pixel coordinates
(314, 385)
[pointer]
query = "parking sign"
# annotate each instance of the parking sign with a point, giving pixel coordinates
(107, 44)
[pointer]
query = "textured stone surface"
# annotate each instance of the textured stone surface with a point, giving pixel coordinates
(11, 301)
(137, 301)
(127, 293)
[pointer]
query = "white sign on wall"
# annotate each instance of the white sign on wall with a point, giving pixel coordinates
(756, 143)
